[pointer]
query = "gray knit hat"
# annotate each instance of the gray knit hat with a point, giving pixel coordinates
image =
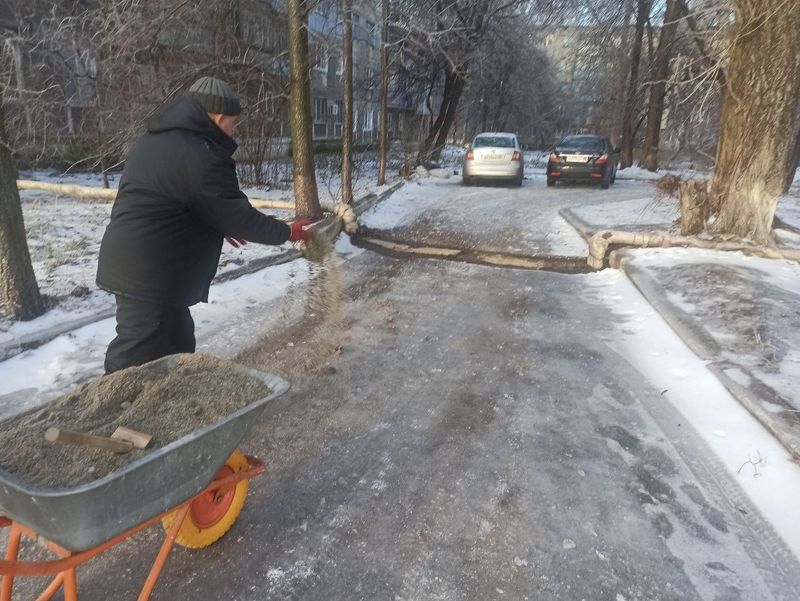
(215, 96)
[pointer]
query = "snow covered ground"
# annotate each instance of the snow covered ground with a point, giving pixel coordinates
(64, 235)
(751, 455)
(648, 212)
(328, 180)
(637, 173)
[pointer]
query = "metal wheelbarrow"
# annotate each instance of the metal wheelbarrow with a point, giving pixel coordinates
(196, 486)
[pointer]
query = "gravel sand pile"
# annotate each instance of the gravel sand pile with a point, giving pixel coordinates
(167, 405)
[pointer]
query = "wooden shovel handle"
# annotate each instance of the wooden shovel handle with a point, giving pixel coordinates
(87, 440)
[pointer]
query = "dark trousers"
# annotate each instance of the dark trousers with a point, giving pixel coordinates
(148, 331)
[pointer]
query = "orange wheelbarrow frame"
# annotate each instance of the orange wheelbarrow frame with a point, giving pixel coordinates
(65, 567)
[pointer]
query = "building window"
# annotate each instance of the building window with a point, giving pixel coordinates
(339, 112)
(320, 110)
(368, 119)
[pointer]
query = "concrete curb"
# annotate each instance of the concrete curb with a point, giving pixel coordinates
(785, 426)
(681, 322)
(329, 226)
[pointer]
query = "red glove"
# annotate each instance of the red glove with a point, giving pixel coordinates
(236, 242)
(300, 230)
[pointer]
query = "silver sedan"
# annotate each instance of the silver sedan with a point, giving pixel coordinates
(496, 156)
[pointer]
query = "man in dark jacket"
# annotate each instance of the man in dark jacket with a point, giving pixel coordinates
(178, 200)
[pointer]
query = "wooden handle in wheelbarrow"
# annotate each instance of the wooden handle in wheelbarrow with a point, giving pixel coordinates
(87, 440)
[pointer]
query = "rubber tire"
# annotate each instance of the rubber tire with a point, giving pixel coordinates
(518, 182)
(614, 177)
(551, 182)
(194, 537)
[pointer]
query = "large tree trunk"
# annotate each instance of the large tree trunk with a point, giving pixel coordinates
(759, 118)
(19, 293)
(306, 197)
(347, 102)
(658, 87)
(632, 93)
(384, 151)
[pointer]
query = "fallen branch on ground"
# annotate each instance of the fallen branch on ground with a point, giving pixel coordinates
(602, 242)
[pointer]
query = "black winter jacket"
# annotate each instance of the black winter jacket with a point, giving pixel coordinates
(178, 198)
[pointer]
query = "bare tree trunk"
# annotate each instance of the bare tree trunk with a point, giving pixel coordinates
(632, 93)
(347, 92)
(759, 118)
(384, 151)
(306, 197)
(19, 293)
(454, 86)
(658, 87)
(451, 109)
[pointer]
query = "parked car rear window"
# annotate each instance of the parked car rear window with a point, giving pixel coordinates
(493, 142)
(589, 143)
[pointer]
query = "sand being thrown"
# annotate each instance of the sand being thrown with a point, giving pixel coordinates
(198, 391)
(324, 303)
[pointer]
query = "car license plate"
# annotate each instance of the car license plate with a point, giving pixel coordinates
(577, 158)
(493, 157)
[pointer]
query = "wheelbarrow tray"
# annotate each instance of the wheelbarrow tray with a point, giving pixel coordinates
(88, 515)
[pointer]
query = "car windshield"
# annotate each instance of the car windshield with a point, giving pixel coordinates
(588, 143)
(494, 142)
